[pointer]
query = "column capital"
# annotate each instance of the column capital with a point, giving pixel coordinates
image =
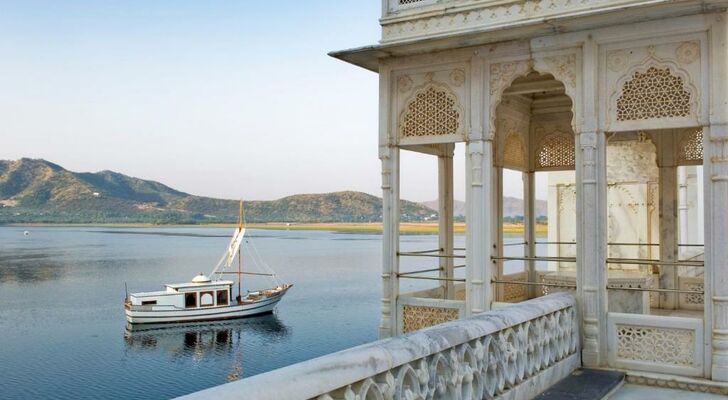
(477, 146)
(385, 152)
(717, 132)
(588, 138)
(476, 132)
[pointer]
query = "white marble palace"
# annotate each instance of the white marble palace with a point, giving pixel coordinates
(622, 107)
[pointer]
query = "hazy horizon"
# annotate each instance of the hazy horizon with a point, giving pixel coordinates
(222, 99)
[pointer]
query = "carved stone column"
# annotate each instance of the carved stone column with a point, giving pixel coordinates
(389, 156)
(668, 219)
(715, 175)
(478, 241)
(445, 212)
(496, 231)
(591, 242)
(529, 224)
(716, 245)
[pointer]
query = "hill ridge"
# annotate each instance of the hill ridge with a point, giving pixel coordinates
(37, 190)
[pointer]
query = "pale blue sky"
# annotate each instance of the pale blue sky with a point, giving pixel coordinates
(217, 98)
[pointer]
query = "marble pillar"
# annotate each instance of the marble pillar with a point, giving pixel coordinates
(445, 224)
(390, 240)
(479, 162)
(591, 245)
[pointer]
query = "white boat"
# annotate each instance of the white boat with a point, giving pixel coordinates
(205, 298)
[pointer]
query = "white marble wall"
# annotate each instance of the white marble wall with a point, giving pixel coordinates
(632, 204)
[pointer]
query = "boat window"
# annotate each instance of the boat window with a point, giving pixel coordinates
(149, 302)
(191, 300)
(222, 297)
(206, 299)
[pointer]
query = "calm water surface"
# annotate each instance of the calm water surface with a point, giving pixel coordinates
(62, 322)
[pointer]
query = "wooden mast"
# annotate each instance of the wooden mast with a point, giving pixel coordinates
(240, 258)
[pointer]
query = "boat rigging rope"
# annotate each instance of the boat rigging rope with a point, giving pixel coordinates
(254, 256)
(258, 261)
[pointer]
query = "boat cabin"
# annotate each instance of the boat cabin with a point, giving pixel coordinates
(201, 292)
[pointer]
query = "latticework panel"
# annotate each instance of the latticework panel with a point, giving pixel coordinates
(431, 112)
(513, 153)
(694, 298)
(514, 293)
(692, 301)
(656, 345)
(556, 151)
(655, 93)
(691, 146)
(418, 317)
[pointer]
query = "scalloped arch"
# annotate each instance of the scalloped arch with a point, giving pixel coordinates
(431, 110)
(672, 85)
(502, 76)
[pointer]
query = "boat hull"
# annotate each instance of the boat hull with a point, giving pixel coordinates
(155, 315)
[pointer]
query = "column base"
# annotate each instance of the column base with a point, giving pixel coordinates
(719, 373)
(590, 359)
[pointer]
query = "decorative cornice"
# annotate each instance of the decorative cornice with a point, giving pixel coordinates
(448, 17)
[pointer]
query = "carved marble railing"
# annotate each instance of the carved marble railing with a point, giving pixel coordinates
(669, 345)
(515, 352)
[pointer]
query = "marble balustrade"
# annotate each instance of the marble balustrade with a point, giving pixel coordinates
(514, 352)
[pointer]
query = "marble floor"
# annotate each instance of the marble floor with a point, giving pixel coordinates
(631, 391)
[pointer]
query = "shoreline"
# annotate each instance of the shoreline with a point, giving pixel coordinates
(344, 227)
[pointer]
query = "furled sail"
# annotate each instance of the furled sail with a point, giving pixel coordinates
(234, 247)
(235, 243)
(227, 259)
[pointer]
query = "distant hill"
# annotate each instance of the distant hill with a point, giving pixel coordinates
(512, 207)
(458, 206)
(36, 190)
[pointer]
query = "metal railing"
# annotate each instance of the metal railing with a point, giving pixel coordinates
(691, 262)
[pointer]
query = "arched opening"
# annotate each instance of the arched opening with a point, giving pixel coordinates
(655, 226)
(533, 240)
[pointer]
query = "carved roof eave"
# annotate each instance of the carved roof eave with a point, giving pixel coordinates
(368, 57)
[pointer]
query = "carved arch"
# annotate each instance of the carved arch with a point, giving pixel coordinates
(407, 383)
(432, 110)
(563, 69)
(677, 93)
(502, 75)
(369, 390)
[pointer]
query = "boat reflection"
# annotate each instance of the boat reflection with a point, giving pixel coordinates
(200, 341)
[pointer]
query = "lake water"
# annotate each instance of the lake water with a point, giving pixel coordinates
(62, 321)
